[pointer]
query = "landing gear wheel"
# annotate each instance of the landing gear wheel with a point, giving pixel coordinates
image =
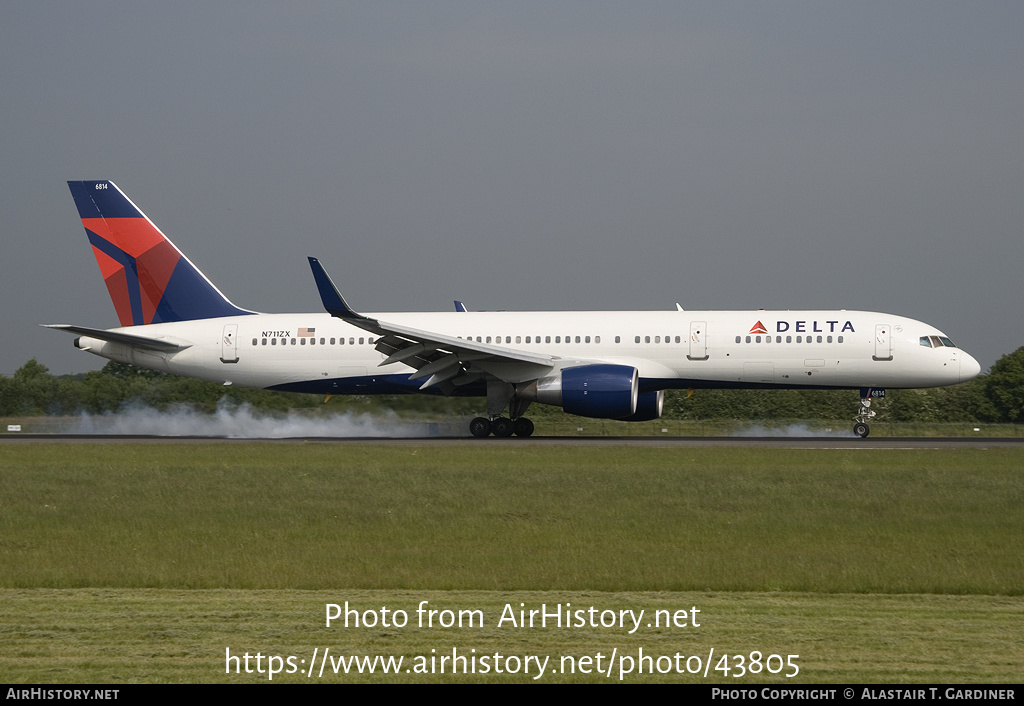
(480, 427)
(523, 427)
(502, 427)
(861, 428)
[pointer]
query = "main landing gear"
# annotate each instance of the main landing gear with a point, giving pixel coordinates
(861, 428)
(502, 427)
(499, 395)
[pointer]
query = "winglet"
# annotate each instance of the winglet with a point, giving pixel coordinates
(459, 306)
(334, 303)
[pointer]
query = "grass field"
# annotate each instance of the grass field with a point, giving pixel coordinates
(123, 563)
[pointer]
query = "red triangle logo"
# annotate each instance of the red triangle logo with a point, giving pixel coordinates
(758, 328)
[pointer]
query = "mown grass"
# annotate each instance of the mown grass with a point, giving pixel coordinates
(172, 636)
(471, 517)
(874, 565)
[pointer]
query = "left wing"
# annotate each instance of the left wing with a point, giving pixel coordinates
(447, 361)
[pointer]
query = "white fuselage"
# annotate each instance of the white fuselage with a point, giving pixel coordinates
(670, 349)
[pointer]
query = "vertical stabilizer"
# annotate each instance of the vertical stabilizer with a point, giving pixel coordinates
(150, 281)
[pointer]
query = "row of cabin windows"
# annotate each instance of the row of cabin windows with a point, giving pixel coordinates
(478, 339)
(535, 339)
(312, 341)
(577, 339)
(789, 339)
(568, 339)
(657, 339)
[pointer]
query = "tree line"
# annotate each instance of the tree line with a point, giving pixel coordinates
(994, 397)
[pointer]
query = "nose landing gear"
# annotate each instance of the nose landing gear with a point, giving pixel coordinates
(866, 413)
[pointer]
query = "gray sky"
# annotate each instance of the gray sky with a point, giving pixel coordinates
(524, 156)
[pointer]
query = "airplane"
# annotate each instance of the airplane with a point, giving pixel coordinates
(598, 364)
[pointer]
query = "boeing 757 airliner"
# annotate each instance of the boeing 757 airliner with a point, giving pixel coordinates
(602, 364)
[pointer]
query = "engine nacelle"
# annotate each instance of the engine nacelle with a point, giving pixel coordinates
(603, 391)
(649, 406)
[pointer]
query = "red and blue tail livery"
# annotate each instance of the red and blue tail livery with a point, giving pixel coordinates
(150, 281)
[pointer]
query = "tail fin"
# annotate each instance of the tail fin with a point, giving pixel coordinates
(150, 281)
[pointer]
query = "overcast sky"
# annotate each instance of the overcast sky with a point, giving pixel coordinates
(524, 155)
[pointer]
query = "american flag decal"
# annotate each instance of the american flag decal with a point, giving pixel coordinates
(307, 332)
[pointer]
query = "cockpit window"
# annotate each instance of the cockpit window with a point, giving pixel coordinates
(936, 342)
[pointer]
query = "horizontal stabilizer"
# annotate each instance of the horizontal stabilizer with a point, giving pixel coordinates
(129, 339)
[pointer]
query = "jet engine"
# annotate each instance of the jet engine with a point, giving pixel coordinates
(649, 406)
(603, 391)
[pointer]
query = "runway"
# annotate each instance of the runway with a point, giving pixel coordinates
(777, 442)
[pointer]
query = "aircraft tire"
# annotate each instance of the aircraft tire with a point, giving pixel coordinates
(480, 427)
(502, 427)
(861, 429)
(523, 427)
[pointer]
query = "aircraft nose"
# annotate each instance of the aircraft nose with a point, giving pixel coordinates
(969, 367)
